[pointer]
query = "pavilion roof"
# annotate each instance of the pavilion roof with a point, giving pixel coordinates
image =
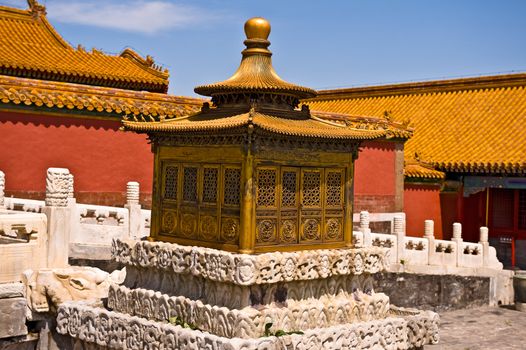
(289, 123)
(470, 125)
(30, 47)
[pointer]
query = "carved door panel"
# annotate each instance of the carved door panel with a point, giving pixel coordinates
(209, 213)
(230, 203)
(311, 210)
(267, 205)
(189, 209)
(334, 205)
(170, 194)
(289, 205)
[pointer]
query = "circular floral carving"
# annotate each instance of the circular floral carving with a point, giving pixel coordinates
(208, 228)
(164, 258)
(266, 231)
(188, 224)
(169, 221)
(311, 230)
(288, 231)
(245, 271)
(358, 264)
(289, 268)
(334, 228)
(230, 230)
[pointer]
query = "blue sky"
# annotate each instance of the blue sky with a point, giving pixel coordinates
(320, 44)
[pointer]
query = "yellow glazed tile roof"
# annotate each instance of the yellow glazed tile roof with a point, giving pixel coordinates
(292, 124)
(56, 96)
(30, 47)
(419, 171)
(473, 125)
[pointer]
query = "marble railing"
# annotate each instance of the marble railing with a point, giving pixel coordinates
(82, 231)
(23, 244)
(422, 251)
(88, 230)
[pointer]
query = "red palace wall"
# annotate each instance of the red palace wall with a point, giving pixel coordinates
(374, 186)
(422, 202)
(101, 157)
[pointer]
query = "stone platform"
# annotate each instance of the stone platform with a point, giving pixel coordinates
(318, 299)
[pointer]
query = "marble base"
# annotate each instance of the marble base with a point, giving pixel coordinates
(96, 328)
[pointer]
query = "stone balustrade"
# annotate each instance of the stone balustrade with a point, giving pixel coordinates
(80, 231)
(426, 250)
(23, 244)
(90, 229)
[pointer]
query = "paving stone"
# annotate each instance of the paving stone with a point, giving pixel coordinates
(482, 328)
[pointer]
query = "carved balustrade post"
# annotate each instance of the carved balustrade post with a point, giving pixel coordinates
(399, 232)
(135, 223)
(364, 228)
(457, 238)
(483, 239)
(2, 189)
(59, 189)
(429, 233)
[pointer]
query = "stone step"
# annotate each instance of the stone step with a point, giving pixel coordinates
(97, 328)
(250, 322)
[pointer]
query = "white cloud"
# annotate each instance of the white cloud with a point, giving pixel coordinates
(140, 16)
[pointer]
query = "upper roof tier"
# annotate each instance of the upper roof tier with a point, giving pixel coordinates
(31, 48)
(256, 99)
(255, 73)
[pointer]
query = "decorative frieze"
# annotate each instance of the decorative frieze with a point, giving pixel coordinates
(98, 328)
(244, 269)
(249, 322)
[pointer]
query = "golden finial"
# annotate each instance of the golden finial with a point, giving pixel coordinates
(257, 28)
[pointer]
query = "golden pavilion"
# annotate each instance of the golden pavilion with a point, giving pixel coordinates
(253, 171)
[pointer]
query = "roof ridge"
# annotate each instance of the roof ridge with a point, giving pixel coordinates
(34, 48)
(423, 87)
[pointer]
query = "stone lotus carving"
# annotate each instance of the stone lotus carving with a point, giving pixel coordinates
(96, 328)
(244, 270)
(47, 288)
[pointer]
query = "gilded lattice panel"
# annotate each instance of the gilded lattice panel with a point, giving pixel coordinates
(229, 229)
(170, 182)
(333, 189)
(169, 221)
(266, 231)
(288, 232)
(266, 187)
(190, 184)
(232, 186)
(208, 228)
(311, 229)
(289, 189)
(210, 181)
(334, 229)
(311, 189)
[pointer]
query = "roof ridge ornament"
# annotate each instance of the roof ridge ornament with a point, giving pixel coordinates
(36, 8)
(256, 79)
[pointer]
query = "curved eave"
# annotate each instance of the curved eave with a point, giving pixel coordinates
(293, 128)
(222, 89)
(502, 168)
(91, 99)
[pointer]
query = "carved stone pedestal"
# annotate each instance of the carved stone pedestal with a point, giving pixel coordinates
(180, 297)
